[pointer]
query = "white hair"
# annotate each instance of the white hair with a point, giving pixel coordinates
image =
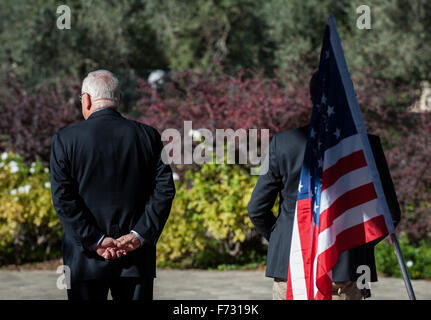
(102, 84)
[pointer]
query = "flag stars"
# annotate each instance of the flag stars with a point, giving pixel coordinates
(300, 186)
(330, 110)
(323, 99)
(312, 133)
(337, 133)
(315, 207)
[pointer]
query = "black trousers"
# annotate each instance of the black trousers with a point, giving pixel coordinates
(122, 288)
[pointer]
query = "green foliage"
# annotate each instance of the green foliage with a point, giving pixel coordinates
(222, 193)
(29, 227)
(397, 45)
(417, 258)
(198, 34)
(113, 35)
(248, 266)
(133, 37)
(129, 36)
(208, 224)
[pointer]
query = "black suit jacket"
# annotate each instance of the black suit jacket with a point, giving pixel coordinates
(286, 155)
(107, 177)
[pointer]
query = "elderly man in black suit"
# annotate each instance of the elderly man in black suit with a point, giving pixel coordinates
(112, 193)
(286, 154)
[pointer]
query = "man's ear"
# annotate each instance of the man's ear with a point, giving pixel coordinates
(86, 101)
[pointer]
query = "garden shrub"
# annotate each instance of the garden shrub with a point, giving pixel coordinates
(417, 258)
(29, 227)
(209, 224)
(251, 100)
(220, 101)
(210, 207)
(29, 119)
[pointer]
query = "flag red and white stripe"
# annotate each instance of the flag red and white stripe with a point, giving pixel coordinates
(350, 215)
(341, 203)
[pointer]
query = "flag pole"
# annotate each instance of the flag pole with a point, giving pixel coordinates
(402, 264)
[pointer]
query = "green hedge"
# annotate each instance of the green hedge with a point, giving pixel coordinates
(208, 226)
(418, 259)
(29, 227)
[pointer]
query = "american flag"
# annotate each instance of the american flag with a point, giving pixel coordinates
(340, 203)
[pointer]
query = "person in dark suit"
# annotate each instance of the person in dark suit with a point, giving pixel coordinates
(286, 154)
(113, 195)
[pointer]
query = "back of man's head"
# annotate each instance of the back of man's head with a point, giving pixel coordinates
(102, 85)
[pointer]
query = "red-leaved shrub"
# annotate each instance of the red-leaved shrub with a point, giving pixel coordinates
(248, 100)
(254, 101)
(29, 120)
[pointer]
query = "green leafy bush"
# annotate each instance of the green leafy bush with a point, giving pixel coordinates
(29, 227)
(418, 259)
(208, 224)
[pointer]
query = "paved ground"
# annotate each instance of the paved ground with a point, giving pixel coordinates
(190, 284)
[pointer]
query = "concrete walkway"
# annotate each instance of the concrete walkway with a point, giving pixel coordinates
(191, 285)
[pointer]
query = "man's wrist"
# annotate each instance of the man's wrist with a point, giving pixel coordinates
(141, 240)
(94, 246)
